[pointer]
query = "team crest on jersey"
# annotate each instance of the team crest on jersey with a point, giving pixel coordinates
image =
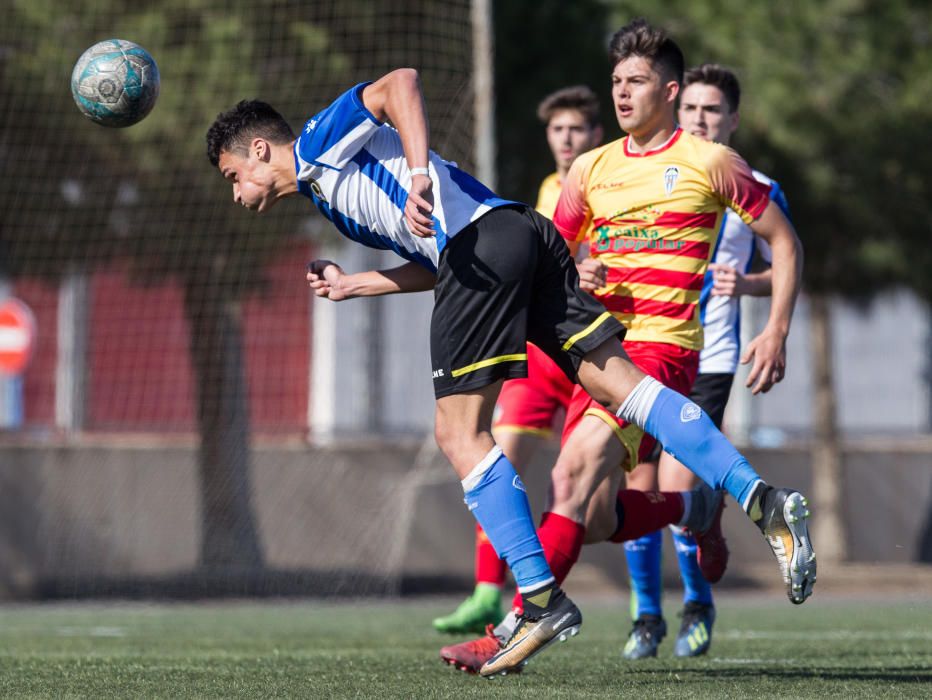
(316, 189)
(670, 176)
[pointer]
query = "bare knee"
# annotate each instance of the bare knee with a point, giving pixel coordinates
(568, 478)
(463, 447)
(445, 435)
(588, 457)
(608, 375)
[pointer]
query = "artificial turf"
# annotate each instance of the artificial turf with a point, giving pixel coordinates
(386, 649)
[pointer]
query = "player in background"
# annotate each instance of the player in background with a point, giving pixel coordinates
(663, 208)
(501, 276)
(708, 109)
(528, 408)
(649, 206)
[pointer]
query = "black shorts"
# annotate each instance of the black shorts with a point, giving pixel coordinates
(505, 279)
(710, 392)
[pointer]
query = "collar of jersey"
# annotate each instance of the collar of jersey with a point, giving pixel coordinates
(674, 137)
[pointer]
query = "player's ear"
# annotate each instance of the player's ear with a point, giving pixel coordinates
(672, 91)
(261, 149)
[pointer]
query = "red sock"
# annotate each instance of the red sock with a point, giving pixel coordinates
(643, 512)
(561, 539)
(489, 568)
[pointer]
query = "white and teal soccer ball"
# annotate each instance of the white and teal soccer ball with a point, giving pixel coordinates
(115, 83)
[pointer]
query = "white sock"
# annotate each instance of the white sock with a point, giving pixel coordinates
(640, 401)
(475, 476)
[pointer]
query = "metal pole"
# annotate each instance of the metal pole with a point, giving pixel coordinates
(483, 61)
(71, 371)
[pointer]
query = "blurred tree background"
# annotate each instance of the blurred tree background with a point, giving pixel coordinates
(837, 107)
(75, 197)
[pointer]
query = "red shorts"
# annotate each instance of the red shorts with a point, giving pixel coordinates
(673, 366)
(532, 405)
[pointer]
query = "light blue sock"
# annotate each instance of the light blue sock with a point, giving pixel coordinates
(695, 588)
(497, 499)
(688, 434)
(644, 559)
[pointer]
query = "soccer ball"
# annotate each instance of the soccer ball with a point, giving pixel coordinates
(115, 83)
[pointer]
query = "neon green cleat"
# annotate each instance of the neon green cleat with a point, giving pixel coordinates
(482, 608)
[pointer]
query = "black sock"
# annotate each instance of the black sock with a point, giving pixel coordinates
(760, 504)
(539, 600)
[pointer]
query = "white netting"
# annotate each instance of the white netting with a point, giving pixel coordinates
(163, 311)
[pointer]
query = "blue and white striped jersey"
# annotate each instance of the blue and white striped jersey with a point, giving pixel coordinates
(353, 167)
(721, 316)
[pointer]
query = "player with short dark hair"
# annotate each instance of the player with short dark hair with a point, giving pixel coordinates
(501, 276)
(657, 233)
(649, 207)
(709, 109)
(579, 98)
(639, 39)
(718, 77)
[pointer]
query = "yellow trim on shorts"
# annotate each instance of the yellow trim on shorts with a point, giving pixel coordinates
(516, 357)
(589, 329)
(522, 430)
(630, 436)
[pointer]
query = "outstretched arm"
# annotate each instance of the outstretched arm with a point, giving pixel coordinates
(397, 97)
(327, 279)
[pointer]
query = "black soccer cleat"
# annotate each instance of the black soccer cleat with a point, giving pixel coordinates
(560, 620)
(784, 522)
(645, 637)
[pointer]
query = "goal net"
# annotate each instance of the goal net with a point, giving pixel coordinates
(179, 364)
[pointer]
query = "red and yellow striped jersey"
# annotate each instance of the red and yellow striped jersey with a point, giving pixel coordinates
(653, 218)
(548, 194)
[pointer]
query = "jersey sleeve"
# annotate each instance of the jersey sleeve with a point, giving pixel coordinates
(779, 198)
(573, 216)
(735, 185)
(333, 136)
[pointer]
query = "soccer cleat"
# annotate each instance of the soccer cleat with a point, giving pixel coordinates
(695, 634)
(560, 621)
(711, 547)
(784, 523)
(645, 637)
(482, 608)
(470, 656)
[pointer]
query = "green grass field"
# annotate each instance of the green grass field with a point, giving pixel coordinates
(763, 647)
